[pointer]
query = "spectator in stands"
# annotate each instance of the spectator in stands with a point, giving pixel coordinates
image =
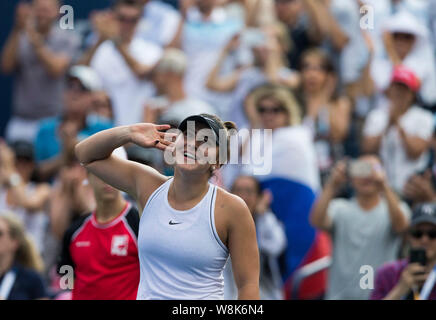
(57, 136)
(101, 247)
(293, 177)
(327, 113)
(265, 63)
(102, 110)
(123, 60)
(38, 53)
(400, 131)
(406, 42)
(71, 198)
(173, 104)
(18, 194)
(20, 263)
(421, 186)
(365, 229)
(271, 237)
(207, 29)
(404, 279)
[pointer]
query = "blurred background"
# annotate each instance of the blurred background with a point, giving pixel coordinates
(348, 88)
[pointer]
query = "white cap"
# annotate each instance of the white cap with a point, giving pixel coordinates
(87, 76)
(173, 60)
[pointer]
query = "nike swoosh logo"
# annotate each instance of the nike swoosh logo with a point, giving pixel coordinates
(173, 223)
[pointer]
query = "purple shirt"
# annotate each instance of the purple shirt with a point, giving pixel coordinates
(388, 276)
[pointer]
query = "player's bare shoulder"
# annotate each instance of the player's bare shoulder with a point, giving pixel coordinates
(230, 205)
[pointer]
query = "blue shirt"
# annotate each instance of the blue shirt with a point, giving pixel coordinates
(48, 143)
(28, 285)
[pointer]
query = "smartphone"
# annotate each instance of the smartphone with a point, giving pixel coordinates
(253, 37)
(359, 169)
(418, 255)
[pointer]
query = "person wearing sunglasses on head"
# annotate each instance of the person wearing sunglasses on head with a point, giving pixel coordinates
(415, 277)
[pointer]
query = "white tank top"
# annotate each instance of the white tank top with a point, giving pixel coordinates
(180, 253)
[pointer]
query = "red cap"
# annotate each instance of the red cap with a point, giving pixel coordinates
(407, 77)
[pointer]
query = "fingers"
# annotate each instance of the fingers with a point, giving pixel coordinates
(162, 126)
(168, 135)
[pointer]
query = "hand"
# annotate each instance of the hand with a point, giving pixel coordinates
(185, 5)
(413, 276)
(147, 135)
(68, 134)
(233, 43)
(22, 13)
(338, 176)
(394, 116)
(106, 25)
(264, 202)
(152, 113)
(7, 156)
(419, 188)
(35, 38)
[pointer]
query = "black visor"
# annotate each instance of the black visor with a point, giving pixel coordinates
(210, 123)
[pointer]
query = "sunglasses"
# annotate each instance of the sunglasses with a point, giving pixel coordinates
(275, 110)
(418, 234)
(129, 20)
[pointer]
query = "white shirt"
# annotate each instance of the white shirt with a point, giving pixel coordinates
(159, 24)
(420, 59)
(202, 42)
(127, 91)
(415, 122)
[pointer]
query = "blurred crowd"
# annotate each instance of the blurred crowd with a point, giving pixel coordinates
(351, 109)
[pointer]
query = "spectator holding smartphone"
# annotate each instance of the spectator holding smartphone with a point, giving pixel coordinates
(364, 229)
(405, 279)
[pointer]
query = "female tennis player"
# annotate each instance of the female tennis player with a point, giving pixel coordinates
(188, 226)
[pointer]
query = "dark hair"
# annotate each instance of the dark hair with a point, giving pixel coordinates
(132, 3)
(256, 183)
(326, 61)
(229, 126)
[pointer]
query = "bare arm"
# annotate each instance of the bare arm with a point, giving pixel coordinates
(55, 64)
(414, 146)
(224, 83)
(89, 54)
(318, 216)
(136, 179)
(35, 201)
(371, 144)
(398, 219)
(139, 69)
(325, 23)
(10, 52)
(9, 60)
(243, 249)
(340, 119)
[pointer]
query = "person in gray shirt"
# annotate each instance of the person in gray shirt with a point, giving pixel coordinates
(38, 53)
(365, 229)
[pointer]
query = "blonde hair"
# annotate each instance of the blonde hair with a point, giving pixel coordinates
(26, 254)
(282, 95)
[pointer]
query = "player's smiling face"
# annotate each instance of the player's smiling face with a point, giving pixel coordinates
(196, 151)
